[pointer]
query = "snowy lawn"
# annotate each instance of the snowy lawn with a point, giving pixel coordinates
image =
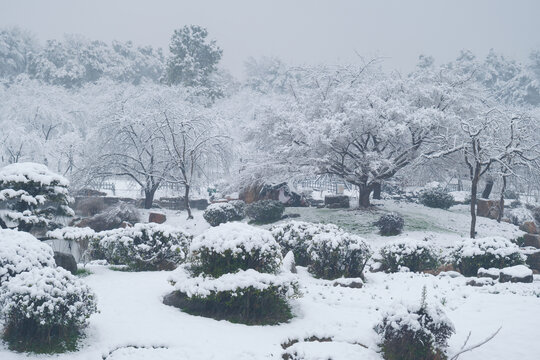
(134, 324)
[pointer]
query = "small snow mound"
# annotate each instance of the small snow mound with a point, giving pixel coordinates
(518, 271)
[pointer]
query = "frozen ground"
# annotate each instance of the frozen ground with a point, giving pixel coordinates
(134, 324)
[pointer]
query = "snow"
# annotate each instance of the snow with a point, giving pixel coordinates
(517, 271)
(498, 246)
(27, 171)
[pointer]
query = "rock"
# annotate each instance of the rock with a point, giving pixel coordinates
(515, 274)
(531, 240)
(126, 224)
(480, 282)
(350, 283)
(66, 261)
(157, 218)
(289, 264)
(533, 260)
(176, 299)
(445, 268)
(336, 201)
(112, 218)
(529, 227)
(492, 273)
(451, 274)
(488, 208)
(280, 192)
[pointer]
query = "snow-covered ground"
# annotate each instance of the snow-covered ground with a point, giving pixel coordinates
(134, 324)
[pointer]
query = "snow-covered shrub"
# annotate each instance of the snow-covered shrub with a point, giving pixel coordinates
(265, 211)
(112, 218)
(491, 252)
(220, 213)
(45, 310)
(233, 275)
(390, 224)
(145, 247)
(436, 197)
(20, 252)
(234, 246)
(296, 236)
(338, 254)
(31, 196)
(418, 332)
(416, 255)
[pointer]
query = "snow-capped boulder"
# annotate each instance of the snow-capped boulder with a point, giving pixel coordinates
(66, 261)
(518, 273)
(492, 273)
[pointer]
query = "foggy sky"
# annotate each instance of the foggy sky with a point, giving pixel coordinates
(302, 31)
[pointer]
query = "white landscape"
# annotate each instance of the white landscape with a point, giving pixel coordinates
(269, 181)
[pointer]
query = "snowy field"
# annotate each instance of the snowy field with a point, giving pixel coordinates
(134, 324)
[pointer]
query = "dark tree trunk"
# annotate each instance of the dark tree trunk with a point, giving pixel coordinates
(365, 192)
(474, 196)
(501, 201)
(487, 189)
(186, 199)
(377, 191)
(149, 197)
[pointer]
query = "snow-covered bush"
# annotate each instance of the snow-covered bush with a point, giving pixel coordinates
(265, 211)
(436, 197)
(45, 310)
(491, 252)
(233, 275)
(416, 255)
(418, 332)
(338, 254)
(20, 252)
(220, 213)
(234, 246)
(390, 224)
(296, 236)
(32, 196)
(144, 247)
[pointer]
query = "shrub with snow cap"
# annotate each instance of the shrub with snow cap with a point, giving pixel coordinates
(144, 246)
(234, 275)
(220, 213)
(21, 252)
(31, 195)
(45, 310)
(418, 332)
(338, 254)
(265, 211)
(490, 252)
(416, 255)
(234, 246)
(296, 236)
(436, 197)
(390, 224)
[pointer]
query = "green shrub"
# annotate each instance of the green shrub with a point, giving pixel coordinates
(45, 310)
(436, 198)
(296, 236)
(390, 224)
(338, 254)
(493, 252)
(410, 253)
(220, 213)
(414, 333)
(265, 211)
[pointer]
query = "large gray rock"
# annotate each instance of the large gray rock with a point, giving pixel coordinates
(531, 240)
(515, 274)
(336, 201)
(488, 208)
(66, 261)
(533, 260)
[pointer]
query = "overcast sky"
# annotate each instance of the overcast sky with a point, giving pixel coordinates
(302, 31)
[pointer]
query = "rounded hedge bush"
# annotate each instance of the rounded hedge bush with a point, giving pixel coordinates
(233, 274)
(390, 224)
(265, 211)
(436, 198)
(413, 254)
(45, 310)
(419, 332)
(144, 247)
(20, 252)
(296, 236)
(338, 254)
(491, 252)
(220, 213)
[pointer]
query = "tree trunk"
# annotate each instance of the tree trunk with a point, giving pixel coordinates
(186, 199)
(501, 201)
(474, 191)
(377, 191)
(365, 192)
(149, 197)
(488, 188)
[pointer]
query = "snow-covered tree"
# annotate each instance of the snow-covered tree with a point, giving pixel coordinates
(193, 57)
(32, 196)
(16, 45)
